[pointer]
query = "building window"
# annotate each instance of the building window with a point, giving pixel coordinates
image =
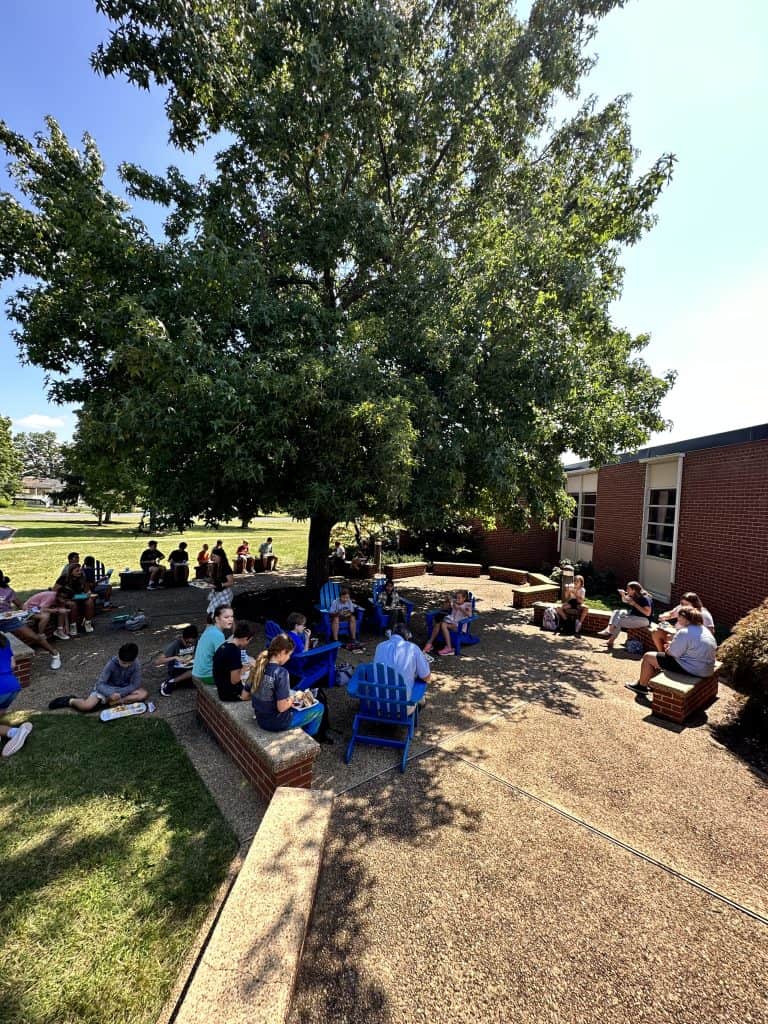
(581, 525)
(660, 532)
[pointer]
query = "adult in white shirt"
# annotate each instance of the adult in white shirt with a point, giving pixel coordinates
(404, 656)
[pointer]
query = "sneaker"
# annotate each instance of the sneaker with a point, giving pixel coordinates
(604, 633)
(107, 604)
(60, 702)
(427, 647)
(73, 629)
(56, 661)
(445, 652)
(637, 687)
(88, 626)
(151, 586)
(17, 742)
(61, 634)
(577, 629)
(166, 688)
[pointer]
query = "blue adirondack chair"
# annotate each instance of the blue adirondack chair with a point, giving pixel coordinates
(310, 669)
(328, 594)
(384, 701)
(462, 635)
(379, 618)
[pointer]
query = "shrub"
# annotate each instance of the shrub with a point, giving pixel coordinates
(745, 653)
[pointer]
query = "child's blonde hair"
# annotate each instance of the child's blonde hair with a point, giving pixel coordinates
(279, 644)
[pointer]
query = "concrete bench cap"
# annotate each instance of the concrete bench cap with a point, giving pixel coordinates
(677, 682)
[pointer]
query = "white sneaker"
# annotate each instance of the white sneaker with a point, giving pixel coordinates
(61, 634)
(73, 629)
(56, 661)
(17, 742)
(88, 626)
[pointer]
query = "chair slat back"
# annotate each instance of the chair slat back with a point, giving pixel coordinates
(271, 630)
(329, 593)
(382, 693)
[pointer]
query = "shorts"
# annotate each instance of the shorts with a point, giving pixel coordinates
(670, 664)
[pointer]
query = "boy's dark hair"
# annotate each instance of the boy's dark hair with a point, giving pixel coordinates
(151, 543)
(243, 628)
(295, 619)
(90, 561)
(4, 580)
(190, 631)
(269, 540)
(128, 652)
(73, 556)
(182, 545)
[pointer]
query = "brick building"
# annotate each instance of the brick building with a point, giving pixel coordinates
(692, 515)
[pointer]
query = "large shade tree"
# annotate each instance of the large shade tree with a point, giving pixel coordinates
(393, 293)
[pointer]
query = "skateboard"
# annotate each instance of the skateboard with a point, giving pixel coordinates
(123, 711)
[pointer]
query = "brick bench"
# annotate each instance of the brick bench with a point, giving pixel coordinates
(504, 575)
(527, 587)
(595, 621)
(677, 697)
(24, 656)
(249, 965)
(267, 759)
(644, 634)
(466, 569)
(402, 570)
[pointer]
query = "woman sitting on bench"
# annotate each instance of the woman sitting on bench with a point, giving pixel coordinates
(636, 615)
(691, 652)
(663, 637)
(573, 606)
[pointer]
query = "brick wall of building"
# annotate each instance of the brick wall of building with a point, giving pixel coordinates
(619, 520)
(722, 550)
(532, 549)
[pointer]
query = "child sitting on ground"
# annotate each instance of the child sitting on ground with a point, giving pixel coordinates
(454, 609)
(15, 735)
(178, 657)
(119, 683)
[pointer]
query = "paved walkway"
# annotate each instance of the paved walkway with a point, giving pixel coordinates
(551, 854)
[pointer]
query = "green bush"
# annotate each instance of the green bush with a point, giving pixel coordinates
(745, 653)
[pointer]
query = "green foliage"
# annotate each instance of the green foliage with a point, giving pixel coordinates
(10, 463)
(745, 653)
(391, 294)
(40, 453)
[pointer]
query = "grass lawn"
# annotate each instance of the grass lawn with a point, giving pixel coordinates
(111, 851)
(35, 556)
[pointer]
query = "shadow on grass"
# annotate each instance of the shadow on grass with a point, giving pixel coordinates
(112, 851)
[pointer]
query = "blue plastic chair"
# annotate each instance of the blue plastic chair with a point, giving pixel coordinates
(383, 701)
(329, 592)
(379, 618)
(309, 669)
(462, 635)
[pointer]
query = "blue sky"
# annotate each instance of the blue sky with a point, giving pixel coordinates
(698, 75)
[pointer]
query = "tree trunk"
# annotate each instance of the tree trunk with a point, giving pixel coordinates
(108, 516)
(100, 517)
(320, 527)
(245, 522)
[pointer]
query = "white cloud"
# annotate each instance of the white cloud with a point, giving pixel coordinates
(38, 421)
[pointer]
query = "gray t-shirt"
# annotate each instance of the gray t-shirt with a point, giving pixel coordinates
(694, 648)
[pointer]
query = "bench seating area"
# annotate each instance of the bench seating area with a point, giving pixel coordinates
(595, 621)
(677, 697)
(248, 968)
(402, 570)
(267, 759)
(24, 656)
(527, 587)
(464, 569)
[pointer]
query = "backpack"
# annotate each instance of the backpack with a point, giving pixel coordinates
(550, 620)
